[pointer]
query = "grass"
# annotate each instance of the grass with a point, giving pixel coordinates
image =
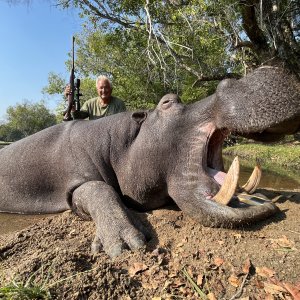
(33, 288)
(25, 290)
(287, 155)
(2, 143)
(196, 288)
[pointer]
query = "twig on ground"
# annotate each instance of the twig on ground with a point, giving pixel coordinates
(240, 290)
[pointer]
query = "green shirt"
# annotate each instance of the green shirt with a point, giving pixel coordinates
(91, 109)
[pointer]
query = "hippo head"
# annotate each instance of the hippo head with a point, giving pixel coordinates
(187, 140)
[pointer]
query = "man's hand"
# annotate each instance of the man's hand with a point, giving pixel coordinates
(67, 92)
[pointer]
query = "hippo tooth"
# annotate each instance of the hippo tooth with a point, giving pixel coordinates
(253, 181)
(229, 186)
(257, 199)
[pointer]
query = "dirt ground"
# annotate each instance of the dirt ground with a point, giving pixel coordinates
(257, 262)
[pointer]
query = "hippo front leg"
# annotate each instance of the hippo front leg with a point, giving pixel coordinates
(115, 230)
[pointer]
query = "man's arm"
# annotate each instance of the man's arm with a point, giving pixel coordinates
(122, 106)
(119, 105)
(80, 114)
(83, 113)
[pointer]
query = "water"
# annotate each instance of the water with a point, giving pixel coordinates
(276, 180)
(14, 222)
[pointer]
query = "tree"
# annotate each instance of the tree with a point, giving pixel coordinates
(273, 28)
(25, 119)
(186, 46)
(184, 29)
(150, 48)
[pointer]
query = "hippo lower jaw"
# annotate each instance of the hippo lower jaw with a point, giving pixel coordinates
(230, 193)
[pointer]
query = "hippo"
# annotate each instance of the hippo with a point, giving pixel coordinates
(142, 160)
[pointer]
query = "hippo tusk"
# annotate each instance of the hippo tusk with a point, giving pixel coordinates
(257, 199)
(229, 186)
(251, 185)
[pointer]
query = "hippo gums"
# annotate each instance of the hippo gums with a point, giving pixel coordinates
(142, 160)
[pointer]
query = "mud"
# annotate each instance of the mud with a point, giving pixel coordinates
(256, 262)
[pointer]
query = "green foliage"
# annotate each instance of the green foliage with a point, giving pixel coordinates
(25, 119)
(88, 89)
(28, 290)
(150, 48)
(286, 155)
(56, 84)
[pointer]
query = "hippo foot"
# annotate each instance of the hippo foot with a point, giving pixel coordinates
(116, 228)
(114, 245)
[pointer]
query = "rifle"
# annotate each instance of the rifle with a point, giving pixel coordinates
(73, 97)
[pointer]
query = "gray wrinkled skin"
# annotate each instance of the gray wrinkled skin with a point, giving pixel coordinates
(146, 159)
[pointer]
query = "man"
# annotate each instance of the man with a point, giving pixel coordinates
(101, 106)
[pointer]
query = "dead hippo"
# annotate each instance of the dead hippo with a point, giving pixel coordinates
(145, 159)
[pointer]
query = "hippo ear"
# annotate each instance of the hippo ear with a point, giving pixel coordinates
(168, 100)
(139, 116)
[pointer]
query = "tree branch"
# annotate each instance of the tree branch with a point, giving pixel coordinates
(106, 15)
(251, 26)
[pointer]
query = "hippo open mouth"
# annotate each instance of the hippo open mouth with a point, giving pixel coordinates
(230, 193)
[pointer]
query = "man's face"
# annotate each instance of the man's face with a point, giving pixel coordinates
(103, 89)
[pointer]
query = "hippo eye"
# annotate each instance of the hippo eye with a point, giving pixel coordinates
(167, 103)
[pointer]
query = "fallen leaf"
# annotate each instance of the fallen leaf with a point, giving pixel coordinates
(200, 278)
(258, 283)
(246, 266)
(273, 288)
(190, 271)
(179, 250)
(237, 235)
(178, 283)
(218, 261)
(269, 297)
(185, 240)
(173, 274)
(154, 285)
(167, 284)
(136, 268)
(283, 242)
(265, 272)
(146, 285)
(293, 290)
(211, 296)
(234, 280)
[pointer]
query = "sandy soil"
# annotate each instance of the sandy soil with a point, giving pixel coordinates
(257, 262)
